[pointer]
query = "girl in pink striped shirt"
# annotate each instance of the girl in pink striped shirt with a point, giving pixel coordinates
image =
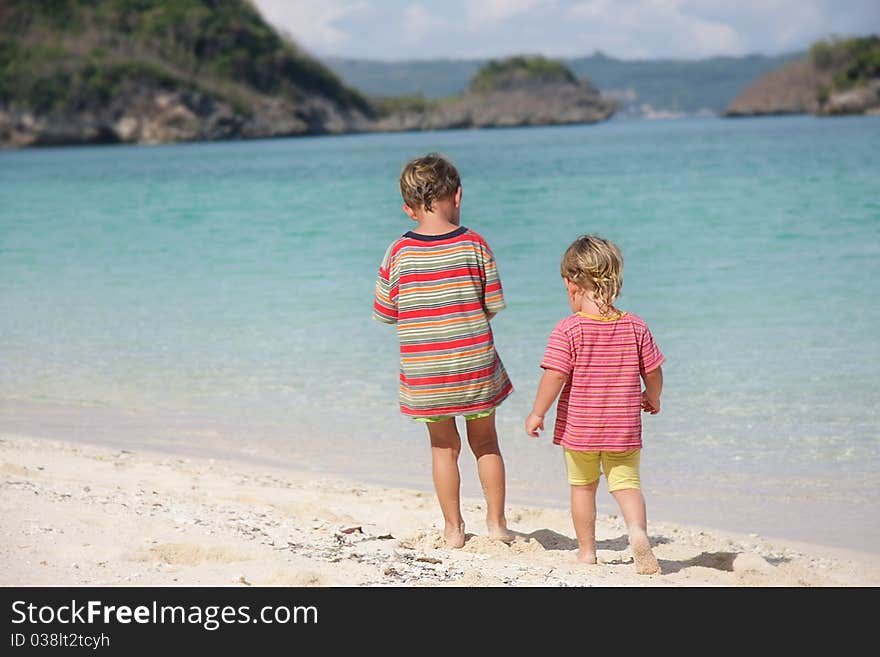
(597, 358)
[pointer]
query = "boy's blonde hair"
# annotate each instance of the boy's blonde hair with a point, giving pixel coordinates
(595, 265)
(428, 179)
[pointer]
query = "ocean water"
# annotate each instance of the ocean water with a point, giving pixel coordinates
(215, 299)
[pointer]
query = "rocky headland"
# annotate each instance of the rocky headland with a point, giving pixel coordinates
(836, 77)
(76, 72)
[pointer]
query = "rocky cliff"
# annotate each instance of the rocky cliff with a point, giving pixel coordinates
(518, 91)
(839, 77)
(150, 71)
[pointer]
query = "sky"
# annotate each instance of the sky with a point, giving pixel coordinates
(627, 29)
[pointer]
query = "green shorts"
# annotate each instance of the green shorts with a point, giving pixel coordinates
(469, 416)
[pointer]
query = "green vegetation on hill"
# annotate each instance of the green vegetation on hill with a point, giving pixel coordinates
(67, 55)
(503, 73)
(852, 62)
(837, 76)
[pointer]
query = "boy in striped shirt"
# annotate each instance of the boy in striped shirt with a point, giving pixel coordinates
(439, 284)
(597, 358)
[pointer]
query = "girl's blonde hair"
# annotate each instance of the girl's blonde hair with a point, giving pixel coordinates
(595, 265)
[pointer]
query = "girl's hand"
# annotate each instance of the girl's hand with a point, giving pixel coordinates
(534, 424)
(650, 405)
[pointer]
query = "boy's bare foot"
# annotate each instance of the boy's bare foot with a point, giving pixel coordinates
(646, 562)
(587, 557)
(499, 532)
(454, 536)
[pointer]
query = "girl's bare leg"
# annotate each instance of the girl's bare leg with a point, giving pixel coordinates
(445, 448)
(483, 441)
(583, 515)
(632, 506)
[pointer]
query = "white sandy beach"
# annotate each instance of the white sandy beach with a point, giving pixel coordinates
(72, 514)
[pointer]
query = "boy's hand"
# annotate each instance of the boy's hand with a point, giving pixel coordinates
(534, 424)
(650, 405)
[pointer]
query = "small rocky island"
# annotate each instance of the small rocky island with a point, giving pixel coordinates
(835, 77)
(517, 91)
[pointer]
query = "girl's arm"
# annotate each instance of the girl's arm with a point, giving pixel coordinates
(548, 390)
(653, 388)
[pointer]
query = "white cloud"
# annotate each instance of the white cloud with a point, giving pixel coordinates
(418, 29)
(417, 20)
(711, 38)
(481, 12)
(594, 9)
(637, 29)
(312, 23)
(786, 24)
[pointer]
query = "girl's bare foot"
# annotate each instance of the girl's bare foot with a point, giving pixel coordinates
(587, 556)
(454, 536)
(646, 562)
(499, 532)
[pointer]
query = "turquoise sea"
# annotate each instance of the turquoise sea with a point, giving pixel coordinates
(215, 299)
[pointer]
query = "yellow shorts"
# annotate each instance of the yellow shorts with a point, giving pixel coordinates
(621, 468)
(469, 416)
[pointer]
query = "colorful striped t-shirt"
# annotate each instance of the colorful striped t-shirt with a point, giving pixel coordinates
(438, 289)
(600, 405)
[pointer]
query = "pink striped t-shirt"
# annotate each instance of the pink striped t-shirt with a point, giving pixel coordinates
(600, 405)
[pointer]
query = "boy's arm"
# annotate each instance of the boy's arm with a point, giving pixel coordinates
(385, 297)
(653, 388)
(493, 295)
(548, 390)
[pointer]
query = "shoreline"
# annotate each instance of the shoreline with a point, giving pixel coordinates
(77, 514)
(614, 119)
(826, 523)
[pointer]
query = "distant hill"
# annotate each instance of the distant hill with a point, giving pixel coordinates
(835, 77)
(146, 71)
(518, 72)
(516, 91)
(643, 87)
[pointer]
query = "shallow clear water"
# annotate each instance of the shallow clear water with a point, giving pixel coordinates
(215, 298)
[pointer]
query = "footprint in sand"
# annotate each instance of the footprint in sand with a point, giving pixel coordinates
(14, 469)
(422, 541)
(188, 554)
(494, 547)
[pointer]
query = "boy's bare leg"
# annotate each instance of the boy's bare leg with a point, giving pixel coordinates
(583, 515)
(632, 506)
(483, 440)
(445, 448)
